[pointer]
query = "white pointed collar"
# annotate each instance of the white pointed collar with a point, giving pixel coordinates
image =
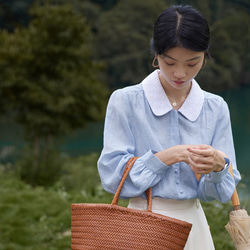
(159, 101)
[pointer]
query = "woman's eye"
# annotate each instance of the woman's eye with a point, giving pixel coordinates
(192, 65)
(169, 64)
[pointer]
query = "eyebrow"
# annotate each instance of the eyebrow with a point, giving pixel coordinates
(192, 59)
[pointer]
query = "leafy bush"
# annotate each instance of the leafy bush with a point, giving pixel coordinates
(32, 218)
(40, 171)
(217, 216)
(80, 174)
(37, 218)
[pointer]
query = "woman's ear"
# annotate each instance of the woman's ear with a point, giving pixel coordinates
(204, 63)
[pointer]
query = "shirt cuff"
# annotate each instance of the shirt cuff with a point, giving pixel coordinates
(153, 163)
(217, 177)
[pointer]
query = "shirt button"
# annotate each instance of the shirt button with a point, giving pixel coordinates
(181, 192)
(177, 182)
(176, 170)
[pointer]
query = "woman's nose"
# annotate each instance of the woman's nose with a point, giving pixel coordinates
(179, 73)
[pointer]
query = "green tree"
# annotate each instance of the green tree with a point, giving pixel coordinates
(105, 4)
(120, 40)
(48, 77)
(123, 40)
(230, 64)
(123, 34)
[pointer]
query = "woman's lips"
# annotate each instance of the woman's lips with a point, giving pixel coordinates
(179, 82)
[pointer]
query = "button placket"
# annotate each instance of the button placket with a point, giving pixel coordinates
(179, 187)
(177, 181)
(176, 138)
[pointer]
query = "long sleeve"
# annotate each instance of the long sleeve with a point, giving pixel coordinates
(221, 185)
(119, 147)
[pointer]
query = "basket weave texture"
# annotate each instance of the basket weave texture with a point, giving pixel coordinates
(110, 226)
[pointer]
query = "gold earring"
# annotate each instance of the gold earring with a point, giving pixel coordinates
(153, 63)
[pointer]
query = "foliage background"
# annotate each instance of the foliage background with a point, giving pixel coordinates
(37, 218)
(122, 34)
(59, 60)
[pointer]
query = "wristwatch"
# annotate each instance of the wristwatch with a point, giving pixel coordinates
(227, 162)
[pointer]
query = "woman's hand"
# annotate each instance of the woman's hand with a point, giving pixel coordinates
(204, 159)
(175, 154)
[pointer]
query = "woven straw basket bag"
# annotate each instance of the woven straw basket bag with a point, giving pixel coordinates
(110, 226)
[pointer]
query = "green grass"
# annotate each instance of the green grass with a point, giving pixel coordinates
(32, 218)
(37, 218)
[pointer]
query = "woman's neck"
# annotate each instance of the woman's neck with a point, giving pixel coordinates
(176, 96)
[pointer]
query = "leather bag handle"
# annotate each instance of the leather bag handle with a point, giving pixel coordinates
(124, 176)
(235, 198)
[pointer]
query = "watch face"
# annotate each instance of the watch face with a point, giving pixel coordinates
(227, 161)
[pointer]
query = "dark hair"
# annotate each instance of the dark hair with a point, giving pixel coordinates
(180, 26)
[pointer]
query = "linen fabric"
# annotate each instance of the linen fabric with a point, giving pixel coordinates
(140, 121)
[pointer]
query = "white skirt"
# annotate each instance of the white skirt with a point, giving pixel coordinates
(187, 210)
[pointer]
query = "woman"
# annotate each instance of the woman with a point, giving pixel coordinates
(176, 129)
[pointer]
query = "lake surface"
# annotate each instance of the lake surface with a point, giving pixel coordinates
(89, 139)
